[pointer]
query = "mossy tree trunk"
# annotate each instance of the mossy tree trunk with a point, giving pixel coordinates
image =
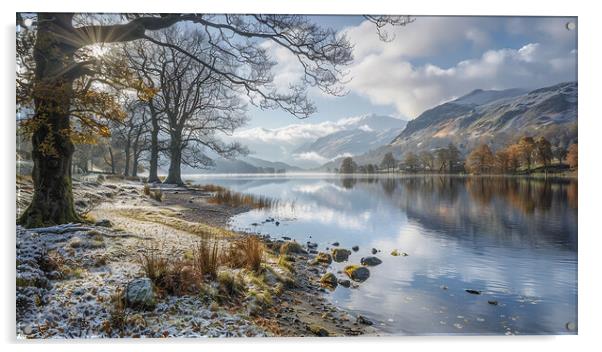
(52, 152)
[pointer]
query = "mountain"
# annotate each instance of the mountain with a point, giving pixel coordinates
(359, 135)
(488, 116)
(277, 165)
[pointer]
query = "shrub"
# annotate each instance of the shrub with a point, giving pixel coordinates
(230, 283)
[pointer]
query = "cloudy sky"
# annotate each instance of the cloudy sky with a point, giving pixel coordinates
(430, 61)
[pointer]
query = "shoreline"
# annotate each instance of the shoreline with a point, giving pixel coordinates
(104, 259)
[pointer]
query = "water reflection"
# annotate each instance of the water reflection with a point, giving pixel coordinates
(514, 239)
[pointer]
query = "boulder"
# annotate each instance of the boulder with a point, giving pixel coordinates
(357, 273)
(139, 294)
(323, 258)
(340, 254)
(318, 330)
(363, 320)
(329, 280)
(370, 261)
(291, 247)
(374, 251)
(344, 282)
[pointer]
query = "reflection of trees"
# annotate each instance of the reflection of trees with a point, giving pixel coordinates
(526, 195)
(521, 210)
(348, 182)
(389, 185)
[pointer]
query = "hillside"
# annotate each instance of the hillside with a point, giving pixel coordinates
(493, 117)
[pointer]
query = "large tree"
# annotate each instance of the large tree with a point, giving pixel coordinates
(56, 75)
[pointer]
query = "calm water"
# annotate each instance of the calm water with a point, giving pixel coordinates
(513, 239)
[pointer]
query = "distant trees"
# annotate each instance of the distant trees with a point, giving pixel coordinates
(411, 162)
(348, 166)
(571, 156)
(448, 158)
(526, 149)
(427, 159)
(480, 160)
(388, 162)
(543, 152)
(518, 157)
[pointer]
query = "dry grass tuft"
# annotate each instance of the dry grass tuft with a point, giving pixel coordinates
(146, 189)
(235, 199)
(118, 313)
(246, 252)
(157, 195)
(205, 257)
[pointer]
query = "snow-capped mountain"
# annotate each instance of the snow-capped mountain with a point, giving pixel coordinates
(488, 116)
(358, 136)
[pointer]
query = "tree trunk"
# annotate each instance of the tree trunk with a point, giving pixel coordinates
(175, 175)
(52, 201)
(126, 168)
(112, 160)
(154, 150)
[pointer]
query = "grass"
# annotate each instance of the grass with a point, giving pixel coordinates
(157, 195)
(246, 252)
(230, 198)
(169, 218)
(206, 257)
(146, 190)
(118, 313)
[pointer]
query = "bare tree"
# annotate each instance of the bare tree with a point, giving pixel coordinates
(55, 75)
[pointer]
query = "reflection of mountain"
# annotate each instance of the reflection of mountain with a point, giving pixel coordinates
(245, 165)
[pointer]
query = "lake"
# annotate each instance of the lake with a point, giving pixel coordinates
(512, 239)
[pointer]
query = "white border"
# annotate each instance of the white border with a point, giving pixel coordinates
(590, 129)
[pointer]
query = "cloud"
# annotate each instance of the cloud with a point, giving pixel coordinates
(399, 72)
(412, 89)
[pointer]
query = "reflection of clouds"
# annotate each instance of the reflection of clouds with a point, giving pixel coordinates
(452, 240)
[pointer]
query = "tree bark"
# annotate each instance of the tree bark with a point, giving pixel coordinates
(52, 152)
(154, 149)
(175, 147)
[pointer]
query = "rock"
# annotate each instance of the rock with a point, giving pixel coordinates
(374, 251)
(355, 248)
(286, 238)
(370, 261)
(493, 302)
(473, 292)
(335, 244)
(397, 253)
(104, 223)
(291, 247)
(344, 282)
(277, 223)
(323, 258)
(139, 294)
(312, 245)
(318, 330)
(363, 320)
(340, 254)
(357, 273)
(329, 280)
